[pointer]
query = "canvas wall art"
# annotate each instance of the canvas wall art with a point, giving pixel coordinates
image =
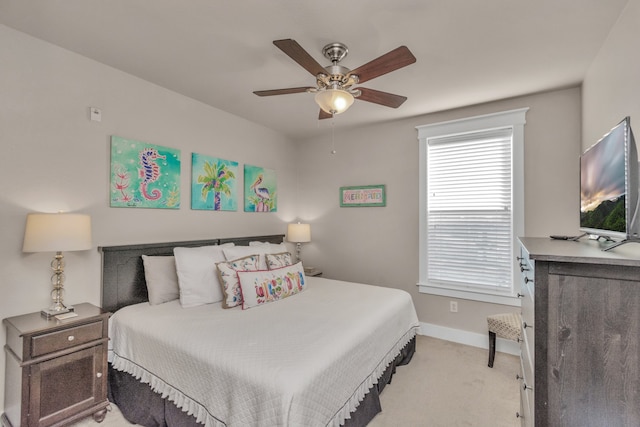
(363, 196)
(213, 183)
(259, 189)
(144, 175)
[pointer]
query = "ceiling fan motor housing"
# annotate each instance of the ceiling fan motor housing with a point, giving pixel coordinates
(337, 77)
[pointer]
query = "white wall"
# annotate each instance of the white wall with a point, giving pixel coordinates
(380, 245)
(611, 89)
(54, 158)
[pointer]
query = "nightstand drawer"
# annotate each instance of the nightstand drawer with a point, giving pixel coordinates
(67, 338)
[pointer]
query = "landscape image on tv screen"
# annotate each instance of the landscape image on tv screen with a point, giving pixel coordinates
(602, 184)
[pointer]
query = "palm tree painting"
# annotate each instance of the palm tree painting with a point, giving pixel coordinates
(259, 189)
(213, 183)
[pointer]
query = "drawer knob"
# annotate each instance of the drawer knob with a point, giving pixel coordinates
(523, 268)
(99, 375)
(525, 326)
(526, 387)
(518, 377)
(71, 338)
(527, 280)
(519, 295)
(518, 415)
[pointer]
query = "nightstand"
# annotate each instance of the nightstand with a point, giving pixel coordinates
(312, 272)
(56, 370)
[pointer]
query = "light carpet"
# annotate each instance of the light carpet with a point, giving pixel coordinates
(445, 385)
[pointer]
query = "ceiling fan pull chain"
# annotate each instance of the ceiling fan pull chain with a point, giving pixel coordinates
(333, 134)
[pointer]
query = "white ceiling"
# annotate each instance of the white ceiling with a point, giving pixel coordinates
(220, 51)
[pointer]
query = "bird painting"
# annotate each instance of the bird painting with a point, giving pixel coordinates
(260, 194)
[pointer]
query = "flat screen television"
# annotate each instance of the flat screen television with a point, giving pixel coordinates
(609, 186)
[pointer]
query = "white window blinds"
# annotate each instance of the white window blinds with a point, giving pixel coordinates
(469, 210)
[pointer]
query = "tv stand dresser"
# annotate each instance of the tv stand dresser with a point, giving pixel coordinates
(581, 334)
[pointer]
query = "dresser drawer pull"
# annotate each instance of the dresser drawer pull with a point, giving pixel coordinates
(526, 387)
(525, 326)
(518, 377)
(519, 295)
(527, 280)
(99, 375)
(523, 268)
(518, 415)
(71, 338)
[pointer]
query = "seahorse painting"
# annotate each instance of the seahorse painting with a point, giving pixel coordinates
(149, 172)
(144, 175)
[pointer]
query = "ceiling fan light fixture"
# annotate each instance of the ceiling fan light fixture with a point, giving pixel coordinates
(334, 101)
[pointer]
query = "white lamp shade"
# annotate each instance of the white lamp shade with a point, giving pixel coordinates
(299, 233)
(334, 101)
(60, 232)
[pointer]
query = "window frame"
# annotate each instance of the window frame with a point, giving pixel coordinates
(514, 119)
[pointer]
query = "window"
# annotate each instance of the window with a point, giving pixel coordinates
(472, 206)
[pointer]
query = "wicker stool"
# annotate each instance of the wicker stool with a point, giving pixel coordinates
(508, 326)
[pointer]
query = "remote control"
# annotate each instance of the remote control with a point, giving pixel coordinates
(66, 315)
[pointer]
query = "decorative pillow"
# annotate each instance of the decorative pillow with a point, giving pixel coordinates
(237, 252)
(272, 248)
(279, 260)
(161, 278)
(261, 287)
(197, 274)
(227, 273)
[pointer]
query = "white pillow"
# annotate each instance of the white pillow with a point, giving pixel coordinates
(197, 274)
(237, 252)
(272, 248)
(261, 287)
(161, 278)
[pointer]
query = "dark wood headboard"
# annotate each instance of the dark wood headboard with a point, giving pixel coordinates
(123, 280)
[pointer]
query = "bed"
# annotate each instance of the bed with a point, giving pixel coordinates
(319, 357)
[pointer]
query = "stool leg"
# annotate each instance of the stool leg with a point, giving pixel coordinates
(492, 348)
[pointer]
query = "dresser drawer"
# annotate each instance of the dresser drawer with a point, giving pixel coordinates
(526, 405)
(67, 338)
(527, 362)
(525, 264)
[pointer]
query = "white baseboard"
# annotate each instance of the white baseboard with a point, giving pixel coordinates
(468, 338)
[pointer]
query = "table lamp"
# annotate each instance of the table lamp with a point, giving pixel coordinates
(57, 233)
(298, 234)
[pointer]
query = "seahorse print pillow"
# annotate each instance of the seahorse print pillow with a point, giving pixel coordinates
(228, 274)
(261, 287)
(278, 260)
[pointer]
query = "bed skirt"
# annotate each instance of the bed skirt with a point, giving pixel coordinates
(141, 405)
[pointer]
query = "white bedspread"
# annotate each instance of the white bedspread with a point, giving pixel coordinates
(303, 361)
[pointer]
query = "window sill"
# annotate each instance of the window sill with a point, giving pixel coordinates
(469, 295)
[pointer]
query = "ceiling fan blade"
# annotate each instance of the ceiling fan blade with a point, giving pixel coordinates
(298, 54)
(382, 98)
(282, 91)
(324, 115)
(390, 61)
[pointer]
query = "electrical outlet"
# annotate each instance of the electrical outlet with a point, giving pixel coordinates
(453, 306)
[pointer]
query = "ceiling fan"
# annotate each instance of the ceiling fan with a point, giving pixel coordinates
(334, 84)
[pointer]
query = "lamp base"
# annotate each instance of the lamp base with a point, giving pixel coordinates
(55, 310)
